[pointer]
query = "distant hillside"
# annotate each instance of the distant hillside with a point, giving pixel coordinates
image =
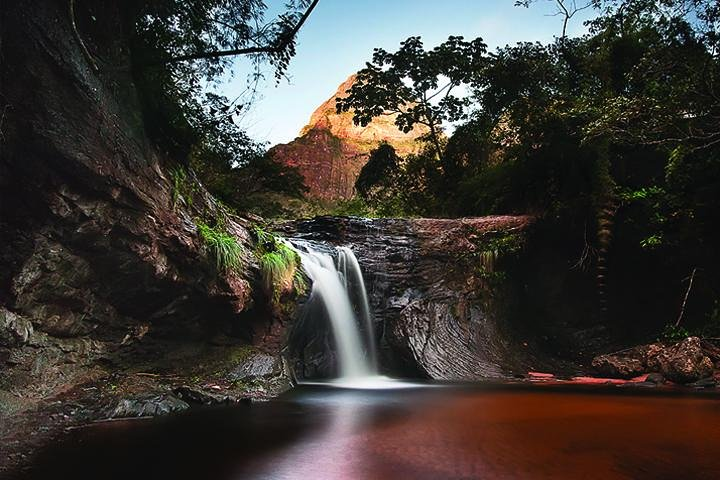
(331, 150)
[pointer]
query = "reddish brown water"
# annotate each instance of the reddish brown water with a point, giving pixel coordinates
(433, 433)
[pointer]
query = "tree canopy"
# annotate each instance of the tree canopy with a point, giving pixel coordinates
(180, 50)
(614, 131)
(416, 85)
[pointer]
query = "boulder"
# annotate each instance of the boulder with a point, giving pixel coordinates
(258, 366)
(712, 351)
(618, 366)
(685, 362)
(14, 329)
(651, 355)
(629, 363)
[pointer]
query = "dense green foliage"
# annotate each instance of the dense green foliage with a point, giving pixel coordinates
(416, 85)
(390, 186)
(260, 185)
(617, 131)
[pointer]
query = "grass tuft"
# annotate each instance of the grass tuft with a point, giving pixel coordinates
(223, 246)
(280, 265)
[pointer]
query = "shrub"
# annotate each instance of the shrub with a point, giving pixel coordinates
(674, 333)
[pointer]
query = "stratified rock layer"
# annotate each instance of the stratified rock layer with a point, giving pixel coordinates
(331, 150)
(439, 302)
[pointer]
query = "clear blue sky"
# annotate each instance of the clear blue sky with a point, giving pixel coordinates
(340, 35)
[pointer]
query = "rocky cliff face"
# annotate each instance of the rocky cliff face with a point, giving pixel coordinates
(331, 150)
(439, 291)
(106, 290)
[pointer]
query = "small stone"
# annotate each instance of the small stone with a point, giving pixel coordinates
(656, 378)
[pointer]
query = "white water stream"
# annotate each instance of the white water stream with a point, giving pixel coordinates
(339, 286)
(351, 274)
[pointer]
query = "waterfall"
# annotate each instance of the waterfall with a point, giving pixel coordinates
(335, 285)
(354, 283)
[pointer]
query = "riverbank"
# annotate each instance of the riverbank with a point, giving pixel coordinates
(161, 380)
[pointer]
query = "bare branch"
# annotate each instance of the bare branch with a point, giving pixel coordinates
(568, 12)
(687, 294)
(276, 48)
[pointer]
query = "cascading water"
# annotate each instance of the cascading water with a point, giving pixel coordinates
(352, 275)
(332, 286)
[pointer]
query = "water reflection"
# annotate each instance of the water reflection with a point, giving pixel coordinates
(489, 432)
(330, 452)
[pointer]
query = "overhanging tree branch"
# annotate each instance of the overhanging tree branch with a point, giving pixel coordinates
(278, 47)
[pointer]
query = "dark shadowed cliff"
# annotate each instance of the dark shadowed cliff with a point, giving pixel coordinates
(107, 290)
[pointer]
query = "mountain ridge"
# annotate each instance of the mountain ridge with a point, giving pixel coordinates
(330, 150)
